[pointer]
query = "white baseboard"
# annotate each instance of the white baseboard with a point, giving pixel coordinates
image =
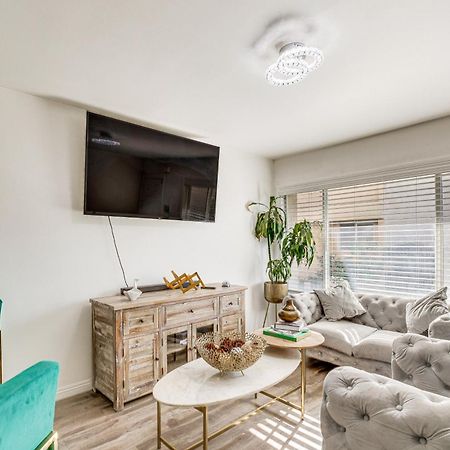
(74, 389)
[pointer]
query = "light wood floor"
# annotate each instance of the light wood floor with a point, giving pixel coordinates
(87, 421)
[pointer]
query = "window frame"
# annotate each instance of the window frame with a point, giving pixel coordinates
(439, 250)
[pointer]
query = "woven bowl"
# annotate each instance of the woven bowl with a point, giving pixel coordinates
(230, 352)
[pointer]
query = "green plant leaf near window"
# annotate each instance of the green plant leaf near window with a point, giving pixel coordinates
(295, 244)
(278, 270)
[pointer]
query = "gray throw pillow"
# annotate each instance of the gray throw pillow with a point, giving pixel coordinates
(420, 313)
(340, 302)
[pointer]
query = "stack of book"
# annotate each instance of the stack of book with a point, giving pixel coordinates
(291, 331)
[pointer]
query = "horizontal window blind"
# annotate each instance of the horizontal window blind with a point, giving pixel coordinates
(382, 235)
(309, 206)
(443, 247)
(390, 237)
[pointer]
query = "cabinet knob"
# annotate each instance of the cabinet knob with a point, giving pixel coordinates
(230, 304)
(141, 320)
(191, 311)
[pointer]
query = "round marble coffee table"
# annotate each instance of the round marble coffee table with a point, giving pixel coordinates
(198, 385)
(313, 340)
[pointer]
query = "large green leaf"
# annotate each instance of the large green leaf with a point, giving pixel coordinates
(299, 245)
(296, 244)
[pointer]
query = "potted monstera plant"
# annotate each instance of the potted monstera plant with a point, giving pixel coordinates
(284, 246)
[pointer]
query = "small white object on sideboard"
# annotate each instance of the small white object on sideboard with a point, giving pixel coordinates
(136, 343)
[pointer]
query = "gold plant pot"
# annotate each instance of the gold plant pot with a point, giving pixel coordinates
(275, 292)
(289, 313)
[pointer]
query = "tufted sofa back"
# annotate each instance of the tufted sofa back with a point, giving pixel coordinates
(383, 311)
(422, 362)
(309, 306)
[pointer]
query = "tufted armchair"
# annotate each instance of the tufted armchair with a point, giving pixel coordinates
(422, 362)
(364, 411)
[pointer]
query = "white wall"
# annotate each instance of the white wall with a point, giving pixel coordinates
(411, 147)
(53, 258)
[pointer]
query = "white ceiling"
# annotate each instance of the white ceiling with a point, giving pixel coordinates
(189, 66)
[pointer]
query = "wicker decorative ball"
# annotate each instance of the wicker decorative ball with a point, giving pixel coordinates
(230, 352)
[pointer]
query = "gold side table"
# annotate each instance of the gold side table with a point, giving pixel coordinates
(313, 340)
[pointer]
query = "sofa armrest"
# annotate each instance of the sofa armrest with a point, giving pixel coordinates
(27, 406)
(422, 362)
(361, 410)
(440, 327)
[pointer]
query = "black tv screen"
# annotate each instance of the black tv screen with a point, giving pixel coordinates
(134, 171)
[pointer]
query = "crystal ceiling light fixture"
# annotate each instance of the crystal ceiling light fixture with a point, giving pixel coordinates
(294, 63)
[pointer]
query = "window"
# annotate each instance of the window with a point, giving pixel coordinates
(309, 206)
(390, 237)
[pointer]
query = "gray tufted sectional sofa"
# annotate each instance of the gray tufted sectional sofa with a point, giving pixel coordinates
(366, 411)
(363, 342)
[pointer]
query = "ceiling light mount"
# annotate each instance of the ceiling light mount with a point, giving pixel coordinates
(294, 63)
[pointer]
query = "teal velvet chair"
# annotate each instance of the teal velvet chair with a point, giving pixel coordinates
(27, 408)
(1, 361)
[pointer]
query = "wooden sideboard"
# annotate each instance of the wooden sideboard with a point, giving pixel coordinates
(136, 343)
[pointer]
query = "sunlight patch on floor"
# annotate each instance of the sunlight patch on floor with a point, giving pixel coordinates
(305, 435)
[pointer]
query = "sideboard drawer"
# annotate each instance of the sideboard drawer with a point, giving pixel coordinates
(140, 321)
(189, 311)
(231, 323)
(229, 303)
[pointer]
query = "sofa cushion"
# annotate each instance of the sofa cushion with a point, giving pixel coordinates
(377, 346)
(423, 311)
(309, 306)
(388, 312)
(341, 335)
(339, 302)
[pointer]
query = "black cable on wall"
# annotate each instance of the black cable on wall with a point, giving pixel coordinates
(117, 251)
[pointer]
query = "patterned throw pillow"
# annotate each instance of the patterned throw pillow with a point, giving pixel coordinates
(422, 312)
(340, 302)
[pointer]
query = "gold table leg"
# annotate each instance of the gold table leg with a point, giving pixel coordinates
(158, 424)
(303, 380)
(205, 427)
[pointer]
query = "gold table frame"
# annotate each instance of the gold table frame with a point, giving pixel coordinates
(204, 410)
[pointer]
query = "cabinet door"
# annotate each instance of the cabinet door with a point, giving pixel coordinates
(231, 323)
(176, 351)
(207, 326)
(140, 365)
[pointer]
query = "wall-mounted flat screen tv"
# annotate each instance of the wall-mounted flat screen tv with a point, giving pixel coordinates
(134, 171)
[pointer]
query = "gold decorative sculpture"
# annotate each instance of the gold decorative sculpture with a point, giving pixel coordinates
(184, 282)
(289, 313)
